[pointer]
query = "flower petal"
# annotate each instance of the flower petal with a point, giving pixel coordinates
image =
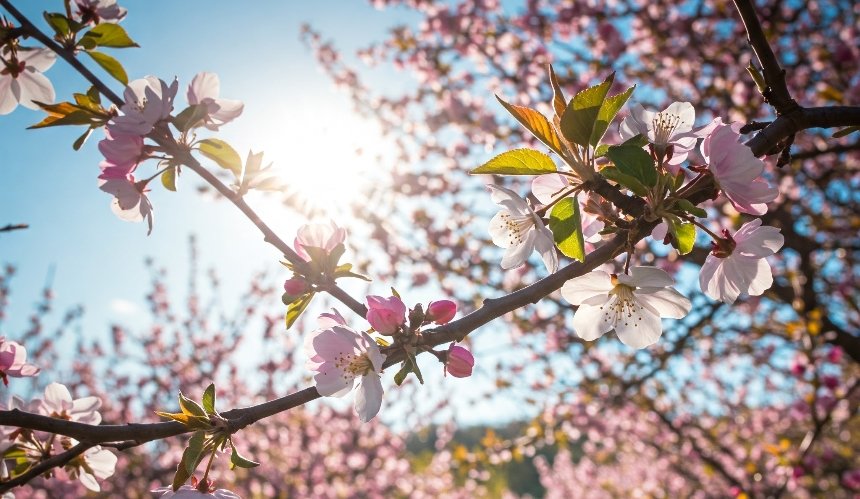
(546, 247)
(579, 289)
(650, 277)
(640, 333)
(590, 322)
(666, 302)
(368, 396)
(548, 187)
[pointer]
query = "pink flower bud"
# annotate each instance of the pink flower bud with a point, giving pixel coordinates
(441, 312)
(460, 362)
(385, 315)
(831, 382)
(295, 286)
(834, 356)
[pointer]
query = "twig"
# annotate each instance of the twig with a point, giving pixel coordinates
(776, 93)
(46, 465)
(11, 227)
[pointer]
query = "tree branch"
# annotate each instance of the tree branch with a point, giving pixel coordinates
(776, 93)
(46, 465)
(11, 227)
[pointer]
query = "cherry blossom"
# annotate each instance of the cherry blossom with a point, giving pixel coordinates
(325, 236)
(548, 189)
(13, 361)
(441, 311)
(189, 492)
(147, 101)
(385, 315)
(121, 152)
(130, 202)
(95, 463)
(204, 90)
(58, 403)
(99, 11)
(22, 81)
(345, 358)
(669, 131)
(459, 362)
(631, 305)
(737, 264)
(518, 229)
(256, 176)
(736, 170)
(295, 286)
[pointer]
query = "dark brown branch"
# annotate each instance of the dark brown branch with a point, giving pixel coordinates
(11, 227)
(46, 465)
(801, 119)
(776, 93)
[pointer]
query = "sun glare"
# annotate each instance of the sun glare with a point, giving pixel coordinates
(326, 162)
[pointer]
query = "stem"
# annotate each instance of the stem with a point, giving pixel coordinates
(565, 193)
(695, 222)
(209, 464)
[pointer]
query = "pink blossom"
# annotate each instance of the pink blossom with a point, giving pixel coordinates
(58, 403)
(22, 81)
(325, 236)
(345, 358)
(189, 492)
(122, 152)
(95, 463)
(99, 11)
(441, 312)
(204, 90)
(385, 315)
(295, 286)
(147, 102)
(736, 170)
(13, 361)
(739, 265)
(669, 131)
(130, 202)
(459, 362)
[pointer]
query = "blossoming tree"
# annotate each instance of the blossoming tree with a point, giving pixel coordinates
(621, 198)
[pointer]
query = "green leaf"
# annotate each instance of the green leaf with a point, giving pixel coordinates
(191, 457)
(190, 116)
(757, 77)
(109, 64)
(517, 162)
(558, 101)
(683, 235)
(58, 22)
(168, 179)
(93, 94)
(635, 162)
(612, 173)
(404, 371)
(692, 209)
(580, 116)
(600, 150)
(637, 140)
(209, 398)
(190, 407)
(566, 227)
(107, 35)
(79, 142)
(410, 359)
(238, 461)
(295, 309)
(536, 123)
(223, 154)
(608, 110)
(846, 131)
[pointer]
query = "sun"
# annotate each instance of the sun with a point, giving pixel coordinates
(328, 163)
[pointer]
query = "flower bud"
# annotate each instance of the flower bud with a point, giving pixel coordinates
(295, 286)
(385, 315)
(460, 362)
(441, 312)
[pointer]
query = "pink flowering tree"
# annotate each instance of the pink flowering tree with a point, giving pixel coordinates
(654, 176)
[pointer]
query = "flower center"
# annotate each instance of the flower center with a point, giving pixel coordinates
(517, 226)
(664, 126)
(624, 307)
(353, 365)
